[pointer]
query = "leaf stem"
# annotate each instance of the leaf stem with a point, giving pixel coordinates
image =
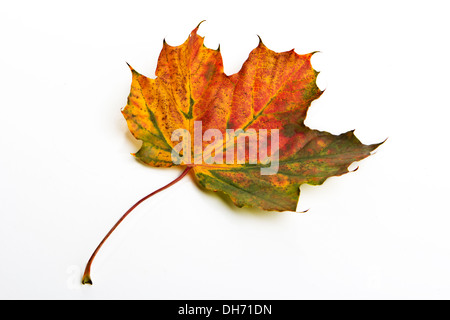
(86, 276)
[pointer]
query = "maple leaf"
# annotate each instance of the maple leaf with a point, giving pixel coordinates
(271, 91)
(266, 103)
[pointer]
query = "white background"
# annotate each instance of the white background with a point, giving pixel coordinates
(66, 173)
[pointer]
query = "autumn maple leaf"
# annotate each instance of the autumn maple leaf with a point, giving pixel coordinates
(271, 91)
(265, 102)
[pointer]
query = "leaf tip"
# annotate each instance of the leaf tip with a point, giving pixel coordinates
(198, 26)
(194, 32)
(131, 68)
(376, 145)
(260, 43)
